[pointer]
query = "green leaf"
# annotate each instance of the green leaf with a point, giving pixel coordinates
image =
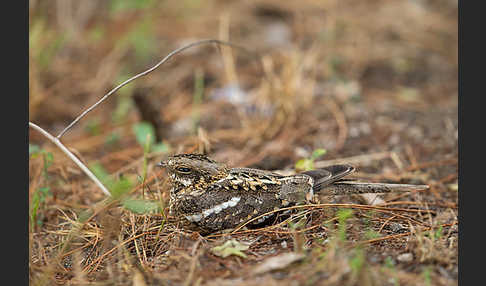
(120, 187)
(34, 149)
(230, 247)
(307, 164)
(39, 196)
(99, 171)
(438, 232)
(48, 159)
(318, 153)
(304, 164)
(116, 187)
(141, 130)
(141, 206)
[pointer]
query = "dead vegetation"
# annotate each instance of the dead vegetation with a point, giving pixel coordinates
(374, 83)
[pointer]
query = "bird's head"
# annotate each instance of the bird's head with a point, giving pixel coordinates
(189, 172)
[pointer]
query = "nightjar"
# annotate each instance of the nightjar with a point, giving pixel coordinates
(216, 197)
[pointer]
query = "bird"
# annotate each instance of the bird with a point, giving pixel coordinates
(216, 197)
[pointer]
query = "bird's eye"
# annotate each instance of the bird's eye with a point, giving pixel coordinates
(183, 170)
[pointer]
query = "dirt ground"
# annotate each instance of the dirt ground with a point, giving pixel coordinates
(374, 83)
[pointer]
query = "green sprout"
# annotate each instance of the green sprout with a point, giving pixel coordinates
(307, 164)
(343, 216)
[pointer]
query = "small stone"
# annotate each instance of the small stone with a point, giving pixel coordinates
(405, 257)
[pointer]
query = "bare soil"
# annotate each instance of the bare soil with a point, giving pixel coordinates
(374, 83)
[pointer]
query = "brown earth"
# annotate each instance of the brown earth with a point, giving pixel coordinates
(374, 83)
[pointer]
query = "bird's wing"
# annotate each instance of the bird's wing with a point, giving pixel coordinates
(249, 180)
(328, 175)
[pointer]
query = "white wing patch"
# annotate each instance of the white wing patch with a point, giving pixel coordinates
(216, 209)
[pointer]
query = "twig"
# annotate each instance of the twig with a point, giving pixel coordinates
(174, 52)
(72, 157)
(354, 160)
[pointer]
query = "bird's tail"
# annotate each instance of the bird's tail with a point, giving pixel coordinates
(328, 181)
(353, 187)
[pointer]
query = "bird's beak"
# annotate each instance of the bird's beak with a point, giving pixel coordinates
(161, 164)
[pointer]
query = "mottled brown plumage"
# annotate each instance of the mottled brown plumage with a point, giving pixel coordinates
(216, 197)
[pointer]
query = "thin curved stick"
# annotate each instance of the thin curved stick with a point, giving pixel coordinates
(209, 41)
(72, 157)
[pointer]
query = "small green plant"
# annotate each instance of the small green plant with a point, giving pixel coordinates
(38, 198)
(123, 106)
(146, 150)
(33, 149)
(117, 188)
(124, 102)
(307, 164)
(44, 43)
(389, 263)
(427, 274)
(113, 139)
(47, 157)
(39, 195)
(371, 234)
(145, 135)
(93, 127)
(141, 206)
(343, 216)
(140, 38)
(117, 6)
(438, 233)
(197, 97)
(357, 261)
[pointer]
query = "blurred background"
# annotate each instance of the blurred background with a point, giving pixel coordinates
(373, 83)
(351, 77)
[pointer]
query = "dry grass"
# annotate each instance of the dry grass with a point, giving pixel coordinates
(373, 82)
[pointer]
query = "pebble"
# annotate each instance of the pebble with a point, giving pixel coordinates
(405, 257)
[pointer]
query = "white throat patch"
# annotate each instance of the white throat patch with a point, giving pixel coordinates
(185, 182)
